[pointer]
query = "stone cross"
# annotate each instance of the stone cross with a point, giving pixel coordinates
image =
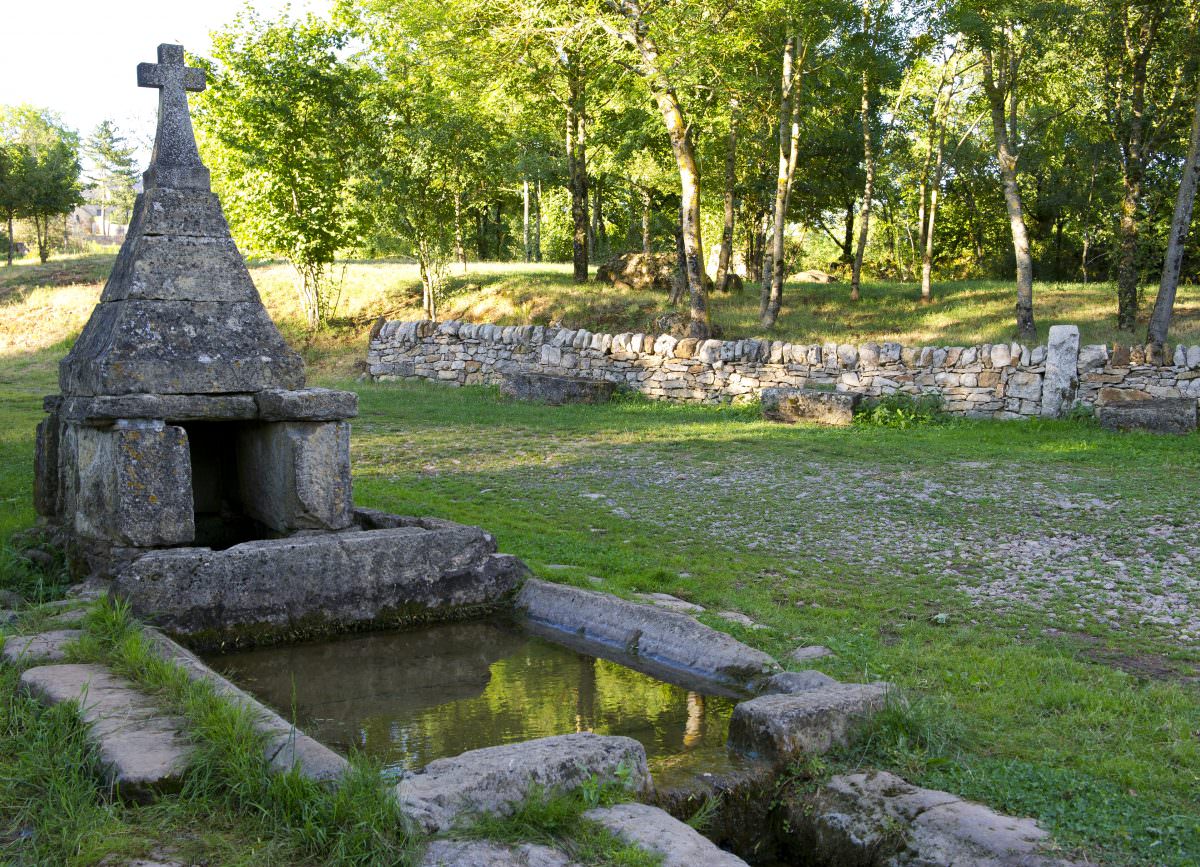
(175, 163)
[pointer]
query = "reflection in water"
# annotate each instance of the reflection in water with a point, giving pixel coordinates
(414, 696)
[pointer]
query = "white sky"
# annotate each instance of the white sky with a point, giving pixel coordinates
(79, 57)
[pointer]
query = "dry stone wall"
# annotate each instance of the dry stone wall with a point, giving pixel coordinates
(1002, 380)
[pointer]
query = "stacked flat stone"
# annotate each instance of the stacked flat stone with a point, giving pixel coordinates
(1002, 380)
(180, 339)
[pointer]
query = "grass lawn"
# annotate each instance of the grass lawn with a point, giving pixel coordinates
(1034, 587)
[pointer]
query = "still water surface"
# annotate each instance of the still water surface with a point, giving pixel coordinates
(412, 696)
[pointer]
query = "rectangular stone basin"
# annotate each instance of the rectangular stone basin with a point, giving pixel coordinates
(409, 697)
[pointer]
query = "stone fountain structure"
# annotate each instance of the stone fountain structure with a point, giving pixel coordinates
(185, 443)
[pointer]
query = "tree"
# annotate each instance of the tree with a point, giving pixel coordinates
(44, 168)
(114, 172)
(280, 126)
(1164, 303)
(14, 191)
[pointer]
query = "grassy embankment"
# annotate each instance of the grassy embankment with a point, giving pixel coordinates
(1019, 581)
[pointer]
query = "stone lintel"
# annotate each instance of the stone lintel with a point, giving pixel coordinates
(308, 404)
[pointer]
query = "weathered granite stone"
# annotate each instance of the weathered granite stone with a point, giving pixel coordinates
(669, 602)
(180, 268)
(492, 780)
(309, 404)
(1092, 357)
(877, 819)
(656, 831)
(175, 162)
(131, 483)
(48, 646)
(484, 853)
(142, 751)
(285, 747)
(301, 475)
(106, 409)
(1062, 373)
(780, 727)
(1025, 386)
(669, 639)
(809, 405)
(1170, 415)
(789, 682)
(333, 580)
(555, 390)
(45, 467)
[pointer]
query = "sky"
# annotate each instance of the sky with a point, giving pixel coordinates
(79, 57)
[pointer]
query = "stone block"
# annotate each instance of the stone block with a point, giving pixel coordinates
(791, 682)
(809, 405)
(493, 780)
(1171, 415)
(333, 581)
(132, 483)
(484, 853)
(141, 751)
(780, 727)
(106, 409)
(665, 639)
(43, 647)
(308, 404)
(1027, 386)
(659, 833)
(1062, 370)
(180, 268)
(46, 467)
(879, 818)
(555, 390)
(296, 475)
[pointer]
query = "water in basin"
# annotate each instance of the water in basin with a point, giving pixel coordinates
(409, 697)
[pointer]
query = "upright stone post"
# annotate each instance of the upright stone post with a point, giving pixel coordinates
(1062, 370)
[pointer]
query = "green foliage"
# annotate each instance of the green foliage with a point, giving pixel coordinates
(901, 411)
(280, 125)
(114, 173)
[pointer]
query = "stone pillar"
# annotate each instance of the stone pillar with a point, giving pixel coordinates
(296, 475)
(1062, 370)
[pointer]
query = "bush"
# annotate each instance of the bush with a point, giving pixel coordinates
(902, 411)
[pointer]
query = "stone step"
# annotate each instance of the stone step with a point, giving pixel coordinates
(780, 727)
(660, 833)
(485, 853)
(41, 648)
(492, 779)
(143, 752)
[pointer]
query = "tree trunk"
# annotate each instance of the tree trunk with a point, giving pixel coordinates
(577, 179)
(11, 241)
(772, 293)
(1160, 319)
(1007, 160)
(525, 227)
(647, 218)
(681, 260)
(864, 215)
(847, 244)
(537, 225)
(722, 280)
(927, 241)
(460, 250)
(685, 162)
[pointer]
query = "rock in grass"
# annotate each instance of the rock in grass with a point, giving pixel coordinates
(780, 727)
(812, 651)
(142, 751)
(44, 647)
(494, 779)
(485, 853)
(790, 682)
(658, 832)
(880, 819)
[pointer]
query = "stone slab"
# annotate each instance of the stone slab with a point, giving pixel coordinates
(179, 347)
(809, 651)
(669, 602)
(670, 639)
(180, 268)
(44, 647)
(1062, 370)
(106, 409)
(877, 818)
(493, 779)
(46, 490)
(1168, 415)
(333, 581)
(656, 831)
(143, 752)
(179, 213)
(555, 390)
(484, 853)
(308, 404)
(780, 727)
(286, 746)
(809, 405)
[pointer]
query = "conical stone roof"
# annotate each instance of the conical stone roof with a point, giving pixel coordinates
(179, 314)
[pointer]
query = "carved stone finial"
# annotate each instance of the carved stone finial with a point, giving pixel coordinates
(175, 163)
